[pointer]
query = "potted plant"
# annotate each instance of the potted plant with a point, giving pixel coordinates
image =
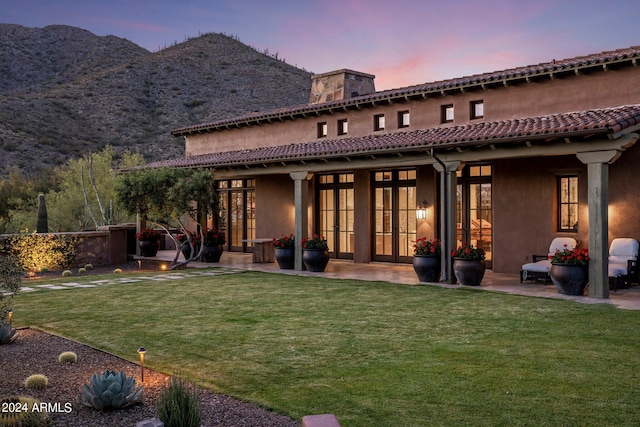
(426, 259)
(315, 253)
(569, 272)
(468, 264)
(285, 251)
(185, 247)
(148, 241)
(212, 245)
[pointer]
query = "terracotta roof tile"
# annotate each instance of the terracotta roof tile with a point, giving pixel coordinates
(602, 121)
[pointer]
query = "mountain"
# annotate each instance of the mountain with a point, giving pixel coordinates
(65, 92)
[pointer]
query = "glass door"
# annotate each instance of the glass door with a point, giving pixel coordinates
(394, 215)
(237, 213)
(474, 209)
(336, 213)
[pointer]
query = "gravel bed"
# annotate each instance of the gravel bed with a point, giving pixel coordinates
(36, 352)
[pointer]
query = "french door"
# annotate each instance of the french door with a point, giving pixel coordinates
(474, 209)
(394, 210)
(336, 213)
(237, 213)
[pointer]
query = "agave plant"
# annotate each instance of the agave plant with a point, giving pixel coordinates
(7, 334)
(110, 391)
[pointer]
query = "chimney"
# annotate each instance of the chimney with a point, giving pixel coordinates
(341, 84)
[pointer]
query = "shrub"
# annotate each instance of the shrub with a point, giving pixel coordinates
(10, 279)
(82, 271)
(179, 405)
(117, 271)
(67, 273)
(88, 267)
(36, 382)
(25, 416)
(38, 251)
(68, 357)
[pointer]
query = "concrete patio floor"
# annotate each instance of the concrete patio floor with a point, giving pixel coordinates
(628, 299)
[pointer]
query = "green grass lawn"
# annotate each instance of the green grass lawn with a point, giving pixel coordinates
(374, 354)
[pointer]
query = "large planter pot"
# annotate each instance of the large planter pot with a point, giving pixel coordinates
(186, 250)
(212, 253)
(315, 259)
(149, 248)
(569, 279)
(285, 257)
(427, 267)
(469, 272)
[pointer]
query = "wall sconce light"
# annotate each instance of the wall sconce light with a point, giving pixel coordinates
(141, 352)
(10, 319)
(421, 210)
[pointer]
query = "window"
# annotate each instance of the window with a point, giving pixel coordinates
(477, 109)
(403, 119)
(378, 122)
(447, 114)
(322, 129)
(568, 203)
(343, 127)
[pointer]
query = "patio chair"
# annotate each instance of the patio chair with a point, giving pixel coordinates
(623, 262)
(541, 265)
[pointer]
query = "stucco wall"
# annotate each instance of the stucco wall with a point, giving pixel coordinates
(546, 96)
(274, 206)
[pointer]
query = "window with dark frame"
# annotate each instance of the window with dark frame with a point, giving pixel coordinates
(403, 119)
(378, 122)
(568, 203)
(322, 129)
(343, 127)
(446, 113)
(477, 110)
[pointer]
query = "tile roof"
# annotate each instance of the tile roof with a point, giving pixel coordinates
(603, 60)
(607, 121)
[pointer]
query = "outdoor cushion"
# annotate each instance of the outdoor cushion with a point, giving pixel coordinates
(543, 266)
(621, 251)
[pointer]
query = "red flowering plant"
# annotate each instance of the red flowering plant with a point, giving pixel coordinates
(315, 242)
(427, 247)
(571, 256)
(468, 252)
(148, 234)
(283, 241)
(195, 238)
(214, 237)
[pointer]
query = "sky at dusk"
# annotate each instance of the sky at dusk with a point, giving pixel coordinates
(401, 42)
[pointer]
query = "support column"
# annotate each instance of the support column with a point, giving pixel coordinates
(598, 204)
(301, 203)
(448, 185)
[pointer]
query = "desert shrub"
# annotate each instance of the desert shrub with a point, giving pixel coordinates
(68, 357)
(38, 251)
(179, 404)
(10, 278)
(36, 382)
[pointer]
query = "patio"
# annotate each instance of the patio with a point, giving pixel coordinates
(628, 299)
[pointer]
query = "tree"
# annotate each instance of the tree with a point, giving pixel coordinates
(166, 195)
(87, 196)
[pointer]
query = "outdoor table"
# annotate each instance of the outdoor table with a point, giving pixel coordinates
(263, 250)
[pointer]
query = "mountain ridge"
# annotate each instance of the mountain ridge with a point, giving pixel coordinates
(68, 92)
